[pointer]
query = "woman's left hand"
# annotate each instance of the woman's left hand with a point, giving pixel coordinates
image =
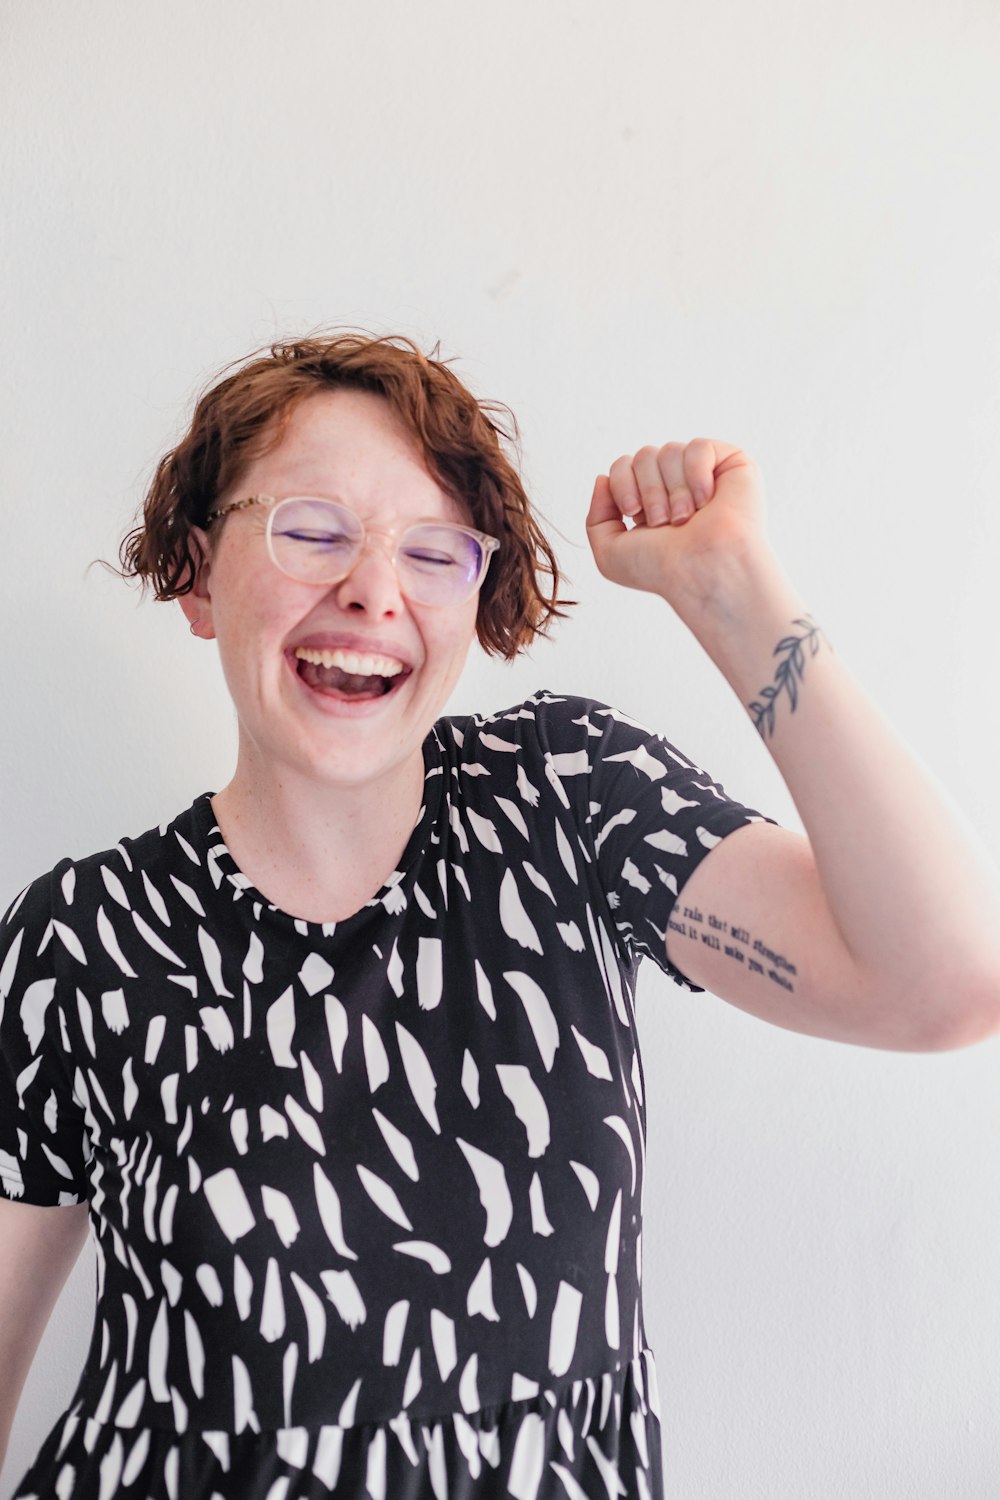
(692, 504)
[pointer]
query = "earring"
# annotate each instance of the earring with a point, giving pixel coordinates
(194, 628)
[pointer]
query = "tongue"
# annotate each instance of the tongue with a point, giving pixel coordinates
(340, 683)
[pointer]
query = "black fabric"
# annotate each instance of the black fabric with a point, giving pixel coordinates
(366, 1196)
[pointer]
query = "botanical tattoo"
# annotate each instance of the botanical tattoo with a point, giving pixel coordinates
(756, 957)
(785, 674)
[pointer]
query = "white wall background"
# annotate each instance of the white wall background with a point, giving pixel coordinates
(777, 224)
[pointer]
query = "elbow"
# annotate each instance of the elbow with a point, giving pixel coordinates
(978, 1022)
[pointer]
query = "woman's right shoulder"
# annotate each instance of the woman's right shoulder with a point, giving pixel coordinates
(34, 901)
(102, 874)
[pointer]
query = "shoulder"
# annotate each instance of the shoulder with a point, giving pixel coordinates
(76, 882)
(545, 722)
(548, 745)
(32, 907)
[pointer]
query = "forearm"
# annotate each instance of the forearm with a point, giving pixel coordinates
(38, 1248)
(912, 889)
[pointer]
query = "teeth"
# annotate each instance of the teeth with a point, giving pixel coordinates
(350, 661)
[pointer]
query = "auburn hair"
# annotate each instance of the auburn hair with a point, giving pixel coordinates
(243, 414)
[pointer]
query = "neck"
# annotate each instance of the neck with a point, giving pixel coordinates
(318, 851)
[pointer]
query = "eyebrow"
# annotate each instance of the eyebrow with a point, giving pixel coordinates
(417, 520)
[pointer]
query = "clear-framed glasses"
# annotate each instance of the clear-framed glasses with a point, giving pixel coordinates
(321, 541)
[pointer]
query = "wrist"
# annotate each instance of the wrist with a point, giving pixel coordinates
(740, 611)
(721, 587)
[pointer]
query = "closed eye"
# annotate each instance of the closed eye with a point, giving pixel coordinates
(324, 538)
(434, 559)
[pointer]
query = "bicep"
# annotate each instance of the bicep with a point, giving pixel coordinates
(752, 925)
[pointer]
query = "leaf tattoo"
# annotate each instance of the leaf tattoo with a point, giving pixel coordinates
(785, 674)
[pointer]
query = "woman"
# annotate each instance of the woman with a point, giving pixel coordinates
(341, 1061)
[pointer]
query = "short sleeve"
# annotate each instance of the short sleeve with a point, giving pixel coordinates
(42, 1132)
(654, 815)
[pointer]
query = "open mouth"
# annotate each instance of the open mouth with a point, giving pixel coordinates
(346, 687)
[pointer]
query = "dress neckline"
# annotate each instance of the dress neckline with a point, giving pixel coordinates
(226, 872)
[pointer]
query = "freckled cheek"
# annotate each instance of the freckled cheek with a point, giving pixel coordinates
(244, 677)
(446, 658)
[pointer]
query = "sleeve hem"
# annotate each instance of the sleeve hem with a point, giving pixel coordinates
(721, 826)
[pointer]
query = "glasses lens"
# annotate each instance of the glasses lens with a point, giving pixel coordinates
(318, 541)
(314, 540)
(439, 564)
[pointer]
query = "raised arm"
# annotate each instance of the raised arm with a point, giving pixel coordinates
(889, 906)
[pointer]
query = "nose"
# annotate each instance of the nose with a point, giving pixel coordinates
(372, 582)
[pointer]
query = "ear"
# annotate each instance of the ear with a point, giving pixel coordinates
(197, 604)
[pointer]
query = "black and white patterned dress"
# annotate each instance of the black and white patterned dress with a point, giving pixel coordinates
(366, 1196)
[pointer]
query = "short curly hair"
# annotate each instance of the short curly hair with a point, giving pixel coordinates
(243, 413)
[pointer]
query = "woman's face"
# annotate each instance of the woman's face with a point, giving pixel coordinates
(345, 445)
